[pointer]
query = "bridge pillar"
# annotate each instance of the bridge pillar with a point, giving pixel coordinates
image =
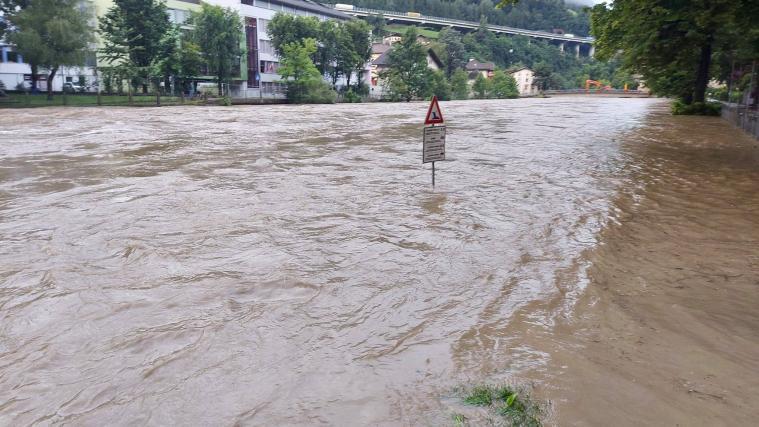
(577, 50)
(561, 46)
(592, 51)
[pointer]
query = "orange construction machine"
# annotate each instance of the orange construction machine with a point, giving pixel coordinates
(599, 86)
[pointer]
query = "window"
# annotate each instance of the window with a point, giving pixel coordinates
(264, 46)
(177, 16)
(263, 25)
(90, 59)
(269, 67)
(13, 56)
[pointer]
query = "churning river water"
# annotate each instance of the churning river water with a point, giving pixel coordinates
(292, 265)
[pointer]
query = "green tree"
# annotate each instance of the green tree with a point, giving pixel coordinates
(671, 44)
(285, 29)
(439, 86)
(218, 33)
(180, 59)
(460, 85)
(543, 76)
(50, 34)
(360, 44)
(481, 87)
(455, 54)
(133, 31)
(504, 85)
(408, 74)
(9, 8)
(304, 81)
(331, 59)
(378, 24)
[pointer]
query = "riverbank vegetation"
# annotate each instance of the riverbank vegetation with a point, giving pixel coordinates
(144, 49)
(313, 50)
(679, 47)
(513, 406)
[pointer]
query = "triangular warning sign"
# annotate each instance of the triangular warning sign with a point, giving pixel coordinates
(434, 115)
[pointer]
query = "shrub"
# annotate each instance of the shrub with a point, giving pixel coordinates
(351, 97)
(679, 108)
(310, 91)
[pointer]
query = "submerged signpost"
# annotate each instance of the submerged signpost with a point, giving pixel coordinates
(433, 142)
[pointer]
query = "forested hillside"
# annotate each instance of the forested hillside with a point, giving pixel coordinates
(543, 15)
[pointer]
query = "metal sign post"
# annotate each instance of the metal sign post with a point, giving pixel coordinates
(433, 147)
(433, 141)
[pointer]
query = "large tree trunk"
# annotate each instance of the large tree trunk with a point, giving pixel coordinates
(34, 77)
(702, 73)
(221, 88)
(50, 78)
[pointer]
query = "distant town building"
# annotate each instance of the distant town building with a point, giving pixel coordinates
(525, 79)
(392, 39)
(475, 67)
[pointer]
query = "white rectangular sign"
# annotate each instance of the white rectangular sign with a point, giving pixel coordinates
(433, 148)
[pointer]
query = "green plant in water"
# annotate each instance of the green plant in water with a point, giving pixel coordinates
(480, 396)
(516, 407)
(459, 420)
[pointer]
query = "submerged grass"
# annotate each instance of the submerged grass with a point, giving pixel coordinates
(514, 406)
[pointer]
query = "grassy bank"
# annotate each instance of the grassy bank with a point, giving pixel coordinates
(20, 100)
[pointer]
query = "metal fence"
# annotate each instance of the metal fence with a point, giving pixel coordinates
(743, 117)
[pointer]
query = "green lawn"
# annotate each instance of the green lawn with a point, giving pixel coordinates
(17, 100)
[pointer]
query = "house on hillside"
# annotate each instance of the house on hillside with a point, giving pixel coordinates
(392, 38)
(475, 68)
(525, 79)
(381, 63)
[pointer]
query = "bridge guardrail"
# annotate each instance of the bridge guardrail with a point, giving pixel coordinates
(470, 24)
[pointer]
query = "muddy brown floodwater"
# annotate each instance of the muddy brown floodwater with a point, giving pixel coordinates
(291, 265)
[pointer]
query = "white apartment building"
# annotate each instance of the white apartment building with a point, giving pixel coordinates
(525, 79)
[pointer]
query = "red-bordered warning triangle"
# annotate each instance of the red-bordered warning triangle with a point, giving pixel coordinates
(434, 115)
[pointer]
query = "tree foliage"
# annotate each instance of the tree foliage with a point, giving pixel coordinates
(482, 87)
(180, 58)
(342, 48)
(7, 9)
(459, 85)
(304, 81)
(133, 33)
(439, 86)
(408, 74)
(672, 44)
(504, 85)
(454, 54)
(50, 34)
(218, 33)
